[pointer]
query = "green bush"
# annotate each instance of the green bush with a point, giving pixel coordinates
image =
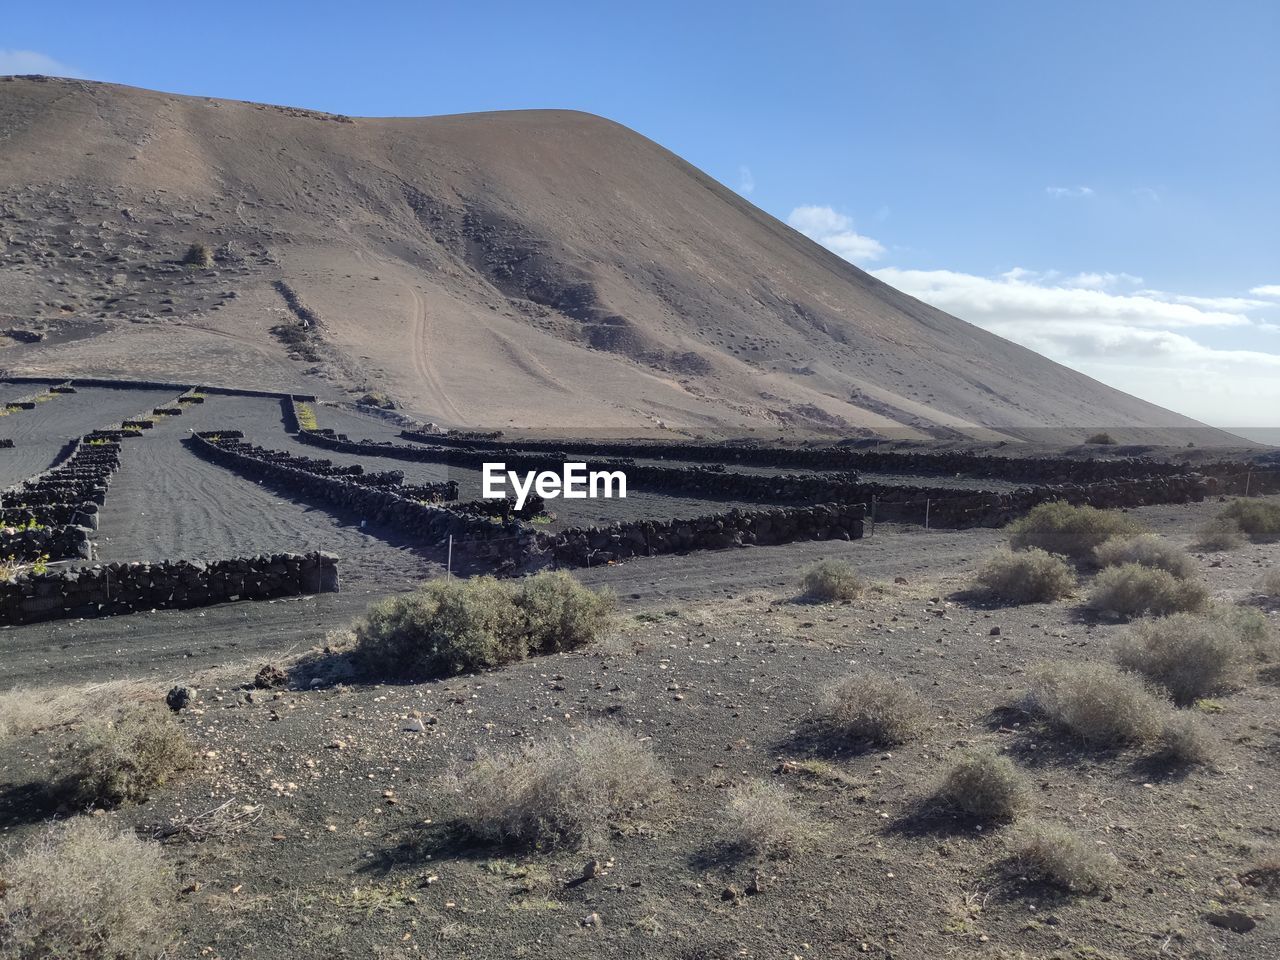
(82, 890)
(831, 580)
(985, 785)
(1259, 519)
(1132, 590)
(1059, 857)
(1191, 656)
(558, 613)
(125, 759)
(1030, 576)
(1097, 702)
(1076, 532)
(448, 627)
(1147, 550)
(864, 705)
(553, 792)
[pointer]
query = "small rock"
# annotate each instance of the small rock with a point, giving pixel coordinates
(731, 893)
(414, 725)
(592, 870)
(180, 697)
(1232, 920)
(995, 631)
(269, 676)
(591, 920)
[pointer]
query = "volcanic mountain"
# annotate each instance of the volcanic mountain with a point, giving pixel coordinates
(536, 269)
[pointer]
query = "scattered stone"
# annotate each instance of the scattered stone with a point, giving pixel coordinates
(592, 870)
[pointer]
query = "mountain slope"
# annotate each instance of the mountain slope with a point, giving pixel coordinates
(532, 268)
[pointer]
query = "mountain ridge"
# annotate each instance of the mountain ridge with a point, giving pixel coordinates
(534, 269)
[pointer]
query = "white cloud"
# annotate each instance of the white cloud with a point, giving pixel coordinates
(1062, 193)
(1142, 342)
(1267, 290)
(746, 180)
(835, 231)
(1023, 297)
(30, 61)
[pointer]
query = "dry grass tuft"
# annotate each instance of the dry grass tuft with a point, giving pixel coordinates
(1073, 531)
(559, 791)
(1097, 702)
(761, 818)
(1191, 656)
(1146, 550)
(985, 785)
(82, 890)
(25, 710)
(1132, 590)
(831, 580)
(1030, 576)
(864, 705)
(1061, 858)
(126, 758)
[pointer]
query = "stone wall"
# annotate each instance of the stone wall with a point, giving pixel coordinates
(431, 525)
(1014, 469)
(61, 503)
(119, 588)
(704, 482)
(592, 546)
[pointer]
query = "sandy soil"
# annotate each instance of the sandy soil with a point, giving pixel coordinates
(352, 854)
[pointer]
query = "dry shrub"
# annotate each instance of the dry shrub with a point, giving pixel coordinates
(1146, 550)
(1191, 656)
(761, 818)
(831, 580)
(126, 758)
(985, 785)
(1103, 439)
(198, 255)
(559, 791)
(1075, 532)
(1259, 519)
(1061, 858)
(458, 626)
(81, 890)
(864, 705)
(1031, 576)
(1269, 585)
(1097, 702)
(1252, 627)
(1221, 533)
(1185, 740)
(1132, 590)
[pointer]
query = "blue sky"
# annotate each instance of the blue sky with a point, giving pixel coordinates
(1096, 180)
